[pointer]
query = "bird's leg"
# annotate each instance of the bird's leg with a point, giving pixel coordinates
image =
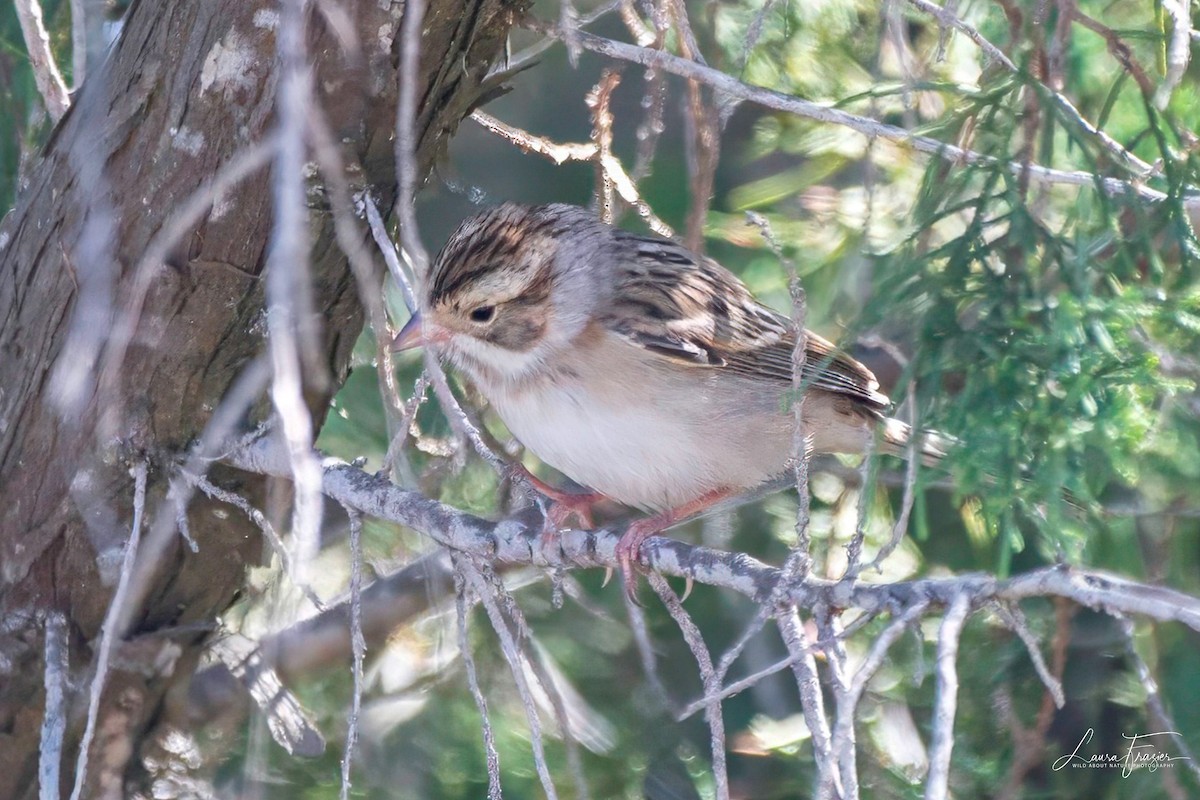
(563, 505)
(629, 547)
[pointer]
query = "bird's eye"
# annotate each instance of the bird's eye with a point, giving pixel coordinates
(483, 314)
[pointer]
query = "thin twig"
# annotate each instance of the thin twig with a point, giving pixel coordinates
(1178, 49)
(110, 632)
(568, 23)
(598, 100)
(742, 684)
(799, 560)
(485, 720)
(220, 433)
(851, 688)
(406, 136)
(1119, 50)
(1014, 619)
(286, 558)
(843, 741)
(654, 97)
(769, 98)
(54, 720)
(1157, 711)
(357, 646)
(290, 318)
(520, 60)
(558, 153)
(946, 702)
(367, 276)
(46, 76)
(812, 701)
(512, 653)
(704, 128)
(542, 676)
(948, 18)
(708, 675)
(396, 445)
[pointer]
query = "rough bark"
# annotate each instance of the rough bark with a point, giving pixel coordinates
(188, 85)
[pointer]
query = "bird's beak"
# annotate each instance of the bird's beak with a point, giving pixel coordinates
(416, 333)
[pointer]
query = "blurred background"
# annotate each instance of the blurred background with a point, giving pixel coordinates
(1053, 330)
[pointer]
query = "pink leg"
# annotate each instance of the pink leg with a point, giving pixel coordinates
(563, 505)
(630, 545)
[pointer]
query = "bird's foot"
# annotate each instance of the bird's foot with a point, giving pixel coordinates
(629, 549)
(562, 507)
(629, 546)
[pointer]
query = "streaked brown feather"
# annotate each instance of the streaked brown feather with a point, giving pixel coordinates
(694, 311)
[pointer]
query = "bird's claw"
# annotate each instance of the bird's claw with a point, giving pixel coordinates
(629, 555)
(564, 506)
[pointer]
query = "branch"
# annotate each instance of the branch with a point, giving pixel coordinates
(946, 704)
(111, 630)
(769, 98)
(950, 19)
(54, 721)
(49, 80)
(517, 540)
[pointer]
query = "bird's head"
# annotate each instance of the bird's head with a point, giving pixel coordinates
(511, 289)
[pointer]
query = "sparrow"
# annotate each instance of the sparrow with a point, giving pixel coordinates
(636, 367)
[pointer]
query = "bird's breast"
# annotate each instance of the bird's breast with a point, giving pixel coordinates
(649, 436)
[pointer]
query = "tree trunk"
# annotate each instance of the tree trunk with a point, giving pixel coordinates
(187, 87)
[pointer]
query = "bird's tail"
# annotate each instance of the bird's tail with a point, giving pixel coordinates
(897, 441)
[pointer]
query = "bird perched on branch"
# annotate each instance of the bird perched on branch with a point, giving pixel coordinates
(636, 367)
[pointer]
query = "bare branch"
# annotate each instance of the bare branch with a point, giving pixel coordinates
(948, 18)
(769, 98)
(1119, 50)
(800, 559)
(1157, 711)
(558, 153)
(654, 96)
(406, 136)
(946, 703)
(464, 648)
(518, 542)
(712, 684)
(49, 80)
(357, 645)
(812, 701)
(513, 654)
(110, 631)
(598, 100)
(290, 317)
(54, 720)
(273, 538)
(1178, 49)
(568, 23)
(367, 276)
(522, 59)
(1014, 619)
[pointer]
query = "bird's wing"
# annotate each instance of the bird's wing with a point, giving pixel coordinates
(693, 311)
